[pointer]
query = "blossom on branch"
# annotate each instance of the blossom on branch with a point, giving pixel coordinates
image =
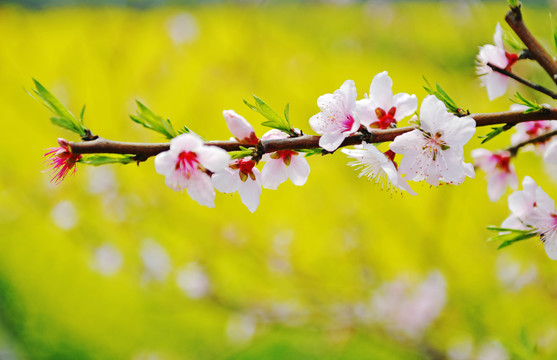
(377, 166)
(186, 165)
(499, 171)
(532, 208)
(529, 130)
(382, 110)
(495, 83)
(434, 151)
(242, 176)
(61, 161)
(240, 128)
(337, 119)
(283, 164)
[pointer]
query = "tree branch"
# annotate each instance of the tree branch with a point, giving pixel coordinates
(144, 151)
(537, 51)
(528, 83)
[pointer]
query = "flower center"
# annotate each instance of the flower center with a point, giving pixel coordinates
(285, 155)
(386, 119)
(536, 128)
(187, 163)
(245, 167)
(434, 143)
(503, 161)
(346, 124)
(512, 58)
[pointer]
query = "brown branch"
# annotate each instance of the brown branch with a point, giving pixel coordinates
(537, 51)
(528, 83)
(535, 140)
(143, 151)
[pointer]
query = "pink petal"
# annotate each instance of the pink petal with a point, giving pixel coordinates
(238, 125)
(405, 104)
(366, 112)
(250, 191)
(381, 91)
(165, 163)
(200, 189)
(185, 142)
(226, 180)
(331, 141)
(496, 84)
(274, 174)
(213, 158)
(298, 170)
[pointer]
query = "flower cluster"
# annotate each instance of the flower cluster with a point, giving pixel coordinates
(532, 209)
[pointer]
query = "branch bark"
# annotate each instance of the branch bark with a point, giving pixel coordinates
(537, 51)
(143, 151)
(528, 83)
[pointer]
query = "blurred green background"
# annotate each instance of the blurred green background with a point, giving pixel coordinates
(111, 264)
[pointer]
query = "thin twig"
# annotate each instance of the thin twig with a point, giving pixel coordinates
(535, 140)
(537, 51)
(528, 83)
(143, 151)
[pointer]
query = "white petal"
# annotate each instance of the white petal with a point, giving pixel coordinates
(200, 189)
(498, 36)
(366, 113)
(298, 170)
(459, 131)
(185, 142)
(550, 243)
(331, 141)
(250, 191)
(213, 158)
(550, 155)
(381, 91)
(496, 186)
(349, 93)
(176, 180)
(405, 104)
(433, 114)
(165, 163)
(226, 180)
(274, 174)
(496, 84)
(274, 134)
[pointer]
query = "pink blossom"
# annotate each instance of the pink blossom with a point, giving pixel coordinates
(337, 119)
(283, 164)
(495, 83)
(242, 176)
(532, 208)
(61, 160)
(240, 128)
(500, 172)
(378, 166)
(531, 129)
(382, 110)
(186, 165)
(434, 151)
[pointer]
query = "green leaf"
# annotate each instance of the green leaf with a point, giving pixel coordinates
(512, 42)
(498, 228)
(104, 159)
(274, 120)
(311, 152)
(508, 237)
(287, 112)
(442, 95)
(82, 114)
(64, 118)
(553, 30)
(495, 131)
(532, 106)
(150, 120)
(242, 153)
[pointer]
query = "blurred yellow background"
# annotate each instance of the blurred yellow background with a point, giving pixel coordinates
(111, 264)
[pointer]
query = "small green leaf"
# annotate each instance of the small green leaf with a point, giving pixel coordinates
(510, 236)
(273, 119)
(242, 153)
(150, 120)
(311, 152)
(82, 114)
(64, 118)
(287, 112)
(104, 159)
(513, 4)
(495, 131)
(442, 95)
(512, 42)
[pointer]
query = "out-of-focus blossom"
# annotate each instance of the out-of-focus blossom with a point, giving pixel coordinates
(499, 171)
(408, 310)
(193, 281)
(240, 128)
(107, 260)
(531, 129)
(377, 166)
(434, 152)
(492, 351)
(156, 261)
(382, 110)
(532, 208)
(101, 180)
(495, 83)
(241, 176)
(337, 119)
(283, 164)
(64, 215)
(61, 161)
(182, 28)
(512, 275)
(241, 328)
(186, 163)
